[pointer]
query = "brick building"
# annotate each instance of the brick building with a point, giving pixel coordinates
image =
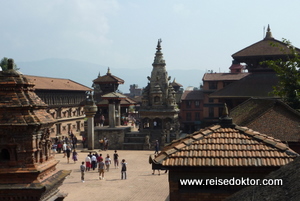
(270, 116)
(191, 110)
(63, 97)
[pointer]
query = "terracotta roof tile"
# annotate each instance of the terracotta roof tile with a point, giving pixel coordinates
(216, 146)
(48, 83)
(223, 76)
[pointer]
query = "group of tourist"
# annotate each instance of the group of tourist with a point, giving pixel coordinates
(65, 144)
(92, 161)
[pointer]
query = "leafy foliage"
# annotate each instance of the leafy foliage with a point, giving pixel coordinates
(4, 64)
(288, 71)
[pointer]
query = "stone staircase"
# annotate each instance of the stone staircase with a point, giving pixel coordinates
(134, 141)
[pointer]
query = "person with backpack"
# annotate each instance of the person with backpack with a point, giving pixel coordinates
(123, 169)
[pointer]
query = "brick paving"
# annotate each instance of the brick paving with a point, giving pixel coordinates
(140, 183)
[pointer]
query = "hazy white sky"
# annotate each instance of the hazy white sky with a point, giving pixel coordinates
(196, 34)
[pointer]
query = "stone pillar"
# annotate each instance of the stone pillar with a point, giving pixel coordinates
(90, 132)
(90, 110)
(118, 114)
(112, 114)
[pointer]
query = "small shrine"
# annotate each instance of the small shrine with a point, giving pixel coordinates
(27, 165)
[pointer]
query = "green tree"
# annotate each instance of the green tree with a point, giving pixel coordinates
(288, 72)
(4, 64)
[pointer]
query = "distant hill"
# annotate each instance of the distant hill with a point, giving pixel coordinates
(85, 72)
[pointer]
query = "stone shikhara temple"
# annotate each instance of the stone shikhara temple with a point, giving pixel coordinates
(159, 110)
(27, 165)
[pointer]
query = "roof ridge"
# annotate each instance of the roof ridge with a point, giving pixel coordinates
(186, 141)
(276, 143)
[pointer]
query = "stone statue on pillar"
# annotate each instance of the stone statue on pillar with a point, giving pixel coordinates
(90, 110)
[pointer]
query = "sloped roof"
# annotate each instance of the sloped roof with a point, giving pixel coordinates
(253, 85)
(176, 84)
(114, 95)
(108, 78)
(192, 95)
(265, 47)
(223, 76)
(48, 83)
(124, 102)
(290, 190)
(262, 48)
(19, 105)
(269, 116)
(218, 146)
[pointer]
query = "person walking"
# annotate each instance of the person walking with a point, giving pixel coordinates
(94, 161)
(124, 169)
(107, 162)
(156, 147)
(116, 159)
(68, 152)
(82, 169)
(101, 169)
(64, 147)
(74, 156)
(88, 163)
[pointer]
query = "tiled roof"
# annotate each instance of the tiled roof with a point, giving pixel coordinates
(48, 83)
(223, 76)
(192, 95)
(269, 116)
(218, 146)
(108, 78)
(263, 48)
(254, 85)
(124, 102)
(113, 95)
(174, 83)
(19, 105)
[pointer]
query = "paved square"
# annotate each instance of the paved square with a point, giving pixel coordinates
(139, 185)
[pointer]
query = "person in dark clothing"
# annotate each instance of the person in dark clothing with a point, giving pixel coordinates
(68, 152)
(124, 169)
(156, 147)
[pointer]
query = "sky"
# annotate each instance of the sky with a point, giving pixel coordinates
(124, 33)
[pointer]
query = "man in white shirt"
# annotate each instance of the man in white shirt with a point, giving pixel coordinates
(94, 161)
(88, 163)
(64, 148)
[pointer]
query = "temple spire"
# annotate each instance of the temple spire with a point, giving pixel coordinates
(108, 71)
(158, 59)
(268, 34)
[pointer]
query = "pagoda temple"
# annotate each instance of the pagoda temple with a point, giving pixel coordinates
(27, 165)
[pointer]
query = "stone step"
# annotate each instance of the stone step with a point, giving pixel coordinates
(135, 135)
(134, 139)
(133, 146)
